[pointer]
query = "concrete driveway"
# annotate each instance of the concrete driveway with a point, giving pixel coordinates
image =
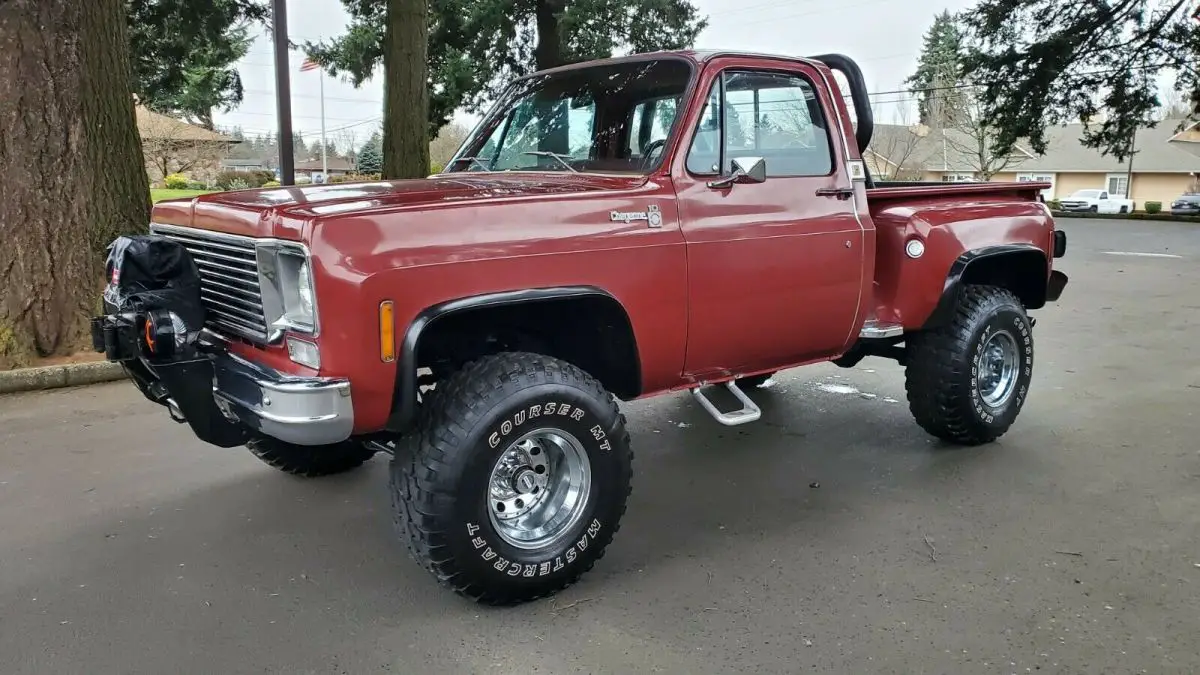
(832, 536)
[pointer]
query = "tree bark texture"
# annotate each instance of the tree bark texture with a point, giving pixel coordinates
(72, 166)
(548, 52)
(406, 98)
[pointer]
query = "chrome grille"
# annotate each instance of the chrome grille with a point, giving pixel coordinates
(229, 285)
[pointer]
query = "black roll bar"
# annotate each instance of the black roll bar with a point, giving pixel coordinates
(858, 94)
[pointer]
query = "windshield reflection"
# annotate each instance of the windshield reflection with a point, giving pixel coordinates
(609, 118)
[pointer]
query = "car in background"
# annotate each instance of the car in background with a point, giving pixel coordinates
(1187, 204)
(1096, 201)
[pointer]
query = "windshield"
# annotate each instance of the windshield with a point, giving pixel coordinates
(1086, 194)
(610, 118)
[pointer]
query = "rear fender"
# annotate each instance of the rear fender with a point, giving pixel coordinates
(1021, 268)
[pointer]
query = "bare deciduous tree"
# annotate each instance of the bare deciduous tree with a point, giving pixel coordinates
(896, 147)
(444, 146)
(970, 137)
(173, 146)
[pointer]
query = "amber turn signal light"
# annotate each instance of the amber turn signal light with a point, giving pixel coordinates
(387, 331)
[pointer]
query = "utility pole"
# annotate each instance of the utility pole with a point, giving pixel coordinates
(1129, 170)
(283, 93)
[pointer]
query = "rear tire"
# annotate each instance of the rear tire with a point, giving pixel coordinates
(967, 380)
(513, 433)
(310, 461)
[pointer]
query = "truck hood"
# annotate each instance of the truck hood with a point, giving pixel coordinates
(281, 211)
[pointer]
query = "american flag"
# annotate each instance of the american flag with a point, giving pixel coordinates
(308, 65)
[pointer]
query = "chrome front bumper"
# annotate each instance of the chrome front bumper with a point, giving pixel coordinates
(299, 410)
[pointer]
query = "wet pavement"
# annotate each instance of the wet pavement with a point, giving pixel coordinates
(1070, 546)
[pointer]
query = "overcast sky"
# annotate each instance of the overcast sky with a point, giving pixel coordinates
(884, 36)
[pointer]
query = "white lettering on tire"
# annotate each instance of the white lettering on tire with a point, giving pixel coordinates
(508, 426)
(537, 569)
(1027, 370)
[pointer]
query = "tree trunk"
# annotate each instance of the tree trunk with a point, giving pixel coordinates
(73, 166)
(548, 52)
(406, 84)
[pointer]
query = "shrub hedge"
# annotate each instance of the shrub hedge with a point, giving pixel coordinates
(1136, 215)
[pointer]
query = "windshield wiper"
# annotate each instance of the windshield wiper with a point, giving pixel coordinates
(477, 160)
(555, 155)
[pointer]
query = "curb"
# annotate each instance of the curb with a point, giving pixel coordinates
(56, 377)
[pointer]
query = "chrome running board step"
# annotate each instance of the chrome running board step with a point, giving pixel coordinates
(749, 412)
(873, 329)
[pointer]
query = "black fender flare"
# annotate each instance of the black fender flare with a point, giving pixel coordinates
(958, 269)
(404, 404)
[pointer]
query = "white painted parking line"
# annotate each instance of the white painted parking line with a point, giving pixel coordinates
(1144, 255)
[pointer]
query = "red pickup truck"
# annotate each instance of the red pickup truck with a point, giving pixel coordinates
(610, 231)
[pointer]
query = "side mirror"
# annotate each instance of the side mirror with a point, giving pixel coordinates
(745, 170)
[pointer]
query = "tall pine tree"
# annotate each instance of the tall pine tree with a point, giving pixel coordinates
(938, 77)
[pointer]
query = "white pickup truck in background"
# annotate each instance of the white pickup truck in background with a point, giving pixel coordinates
(1096, 201)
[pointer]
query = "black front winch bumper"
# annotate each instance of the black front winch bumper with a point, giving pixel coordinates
(226, 399)
(183, 384)
(154, 327)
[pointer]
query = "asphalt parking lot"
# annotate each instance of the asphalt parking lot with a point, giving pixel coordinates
(1070, 546)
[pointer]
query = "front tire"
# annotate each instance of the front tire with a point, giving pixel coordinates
(516, 478)
(310, 461)
(967, 380)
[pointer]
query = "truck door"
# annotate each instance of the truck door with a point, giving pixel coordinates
(775, 268)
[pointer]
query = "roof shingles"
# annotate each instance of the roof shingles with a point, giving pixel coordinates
(1158, 150)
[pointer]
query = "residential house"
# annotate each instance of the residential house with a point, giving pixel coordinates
(311, 170)
(244, 165)
(1165, 165)
(171, 145)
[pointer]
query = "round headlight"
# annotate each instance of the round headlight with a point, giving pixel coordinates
(915, 248)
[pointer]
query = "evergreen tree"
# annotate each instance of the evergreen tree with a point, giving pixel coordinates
(939, 100)
(475, 47)
(183, 53)
(370, 156)
(1047, 62)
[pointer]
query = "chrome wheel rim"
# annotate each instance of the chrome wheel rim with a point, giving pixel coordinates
(539, 488)
(998, 367)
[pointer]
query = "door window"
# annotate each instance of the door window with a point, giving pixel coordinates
(775, 116)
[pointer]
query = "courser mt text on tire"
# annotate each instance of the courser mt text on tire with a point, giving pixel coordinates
(310, 461)
(967, 380)
(507, 433)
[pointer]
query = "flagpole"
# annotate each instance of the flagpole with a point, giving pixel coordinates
(324, 158)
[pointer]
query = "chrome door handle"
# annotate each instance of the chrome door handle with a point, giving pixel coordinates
(840, 192)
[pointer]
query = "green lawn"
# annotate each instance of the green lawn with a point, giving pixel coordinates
(158, 195)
